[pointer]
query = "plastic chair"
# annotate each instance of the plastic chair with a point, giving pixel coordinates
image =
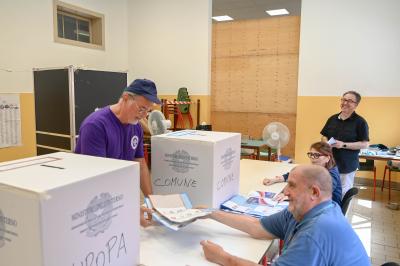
(390, 264)
(248, 154)
(147, 154)
(173, 108)
(347, 199)
(389, 166)
(369, 165)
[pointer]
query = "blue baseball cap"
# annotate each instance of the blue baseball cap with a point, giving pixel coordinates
(145, 88)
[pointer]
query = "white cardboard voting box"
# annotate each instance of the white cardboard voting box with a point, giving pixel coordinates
(204, 164)
(68, 209)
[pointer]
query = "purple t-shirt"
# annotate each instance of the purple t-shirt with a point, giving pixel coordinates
(102, 134)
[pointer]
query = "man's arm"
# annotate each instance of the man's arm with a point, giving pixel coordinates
(351, 145)
(145, 180)
(246, 224)
(217, 254)
(348, 145)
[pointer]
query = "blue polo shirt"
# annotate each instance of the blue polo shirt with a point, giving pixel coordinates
(323, 237)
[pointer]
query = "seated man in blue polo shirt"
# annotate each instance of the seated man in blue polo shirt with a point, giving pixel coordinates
(313, 228)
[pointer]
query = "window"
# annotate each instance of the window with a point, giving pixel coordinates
(78, 26)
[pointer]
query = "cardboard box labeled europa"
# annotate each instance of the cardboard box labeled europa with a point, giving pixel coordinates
(68, 209)
(204, 164)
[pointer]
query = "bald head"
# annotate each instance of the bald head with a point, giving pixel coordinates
(315, 175)
(308, 186)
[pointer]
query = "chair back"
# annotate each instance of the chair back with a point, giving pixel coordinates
(390, 264)
(347, 198)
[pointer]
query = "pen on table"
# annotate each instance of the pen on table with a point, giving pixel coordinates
(52, 166)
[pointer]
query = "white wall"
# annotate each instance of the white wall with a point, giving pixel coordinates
(170, 43)
(26, 41)
(350, 44)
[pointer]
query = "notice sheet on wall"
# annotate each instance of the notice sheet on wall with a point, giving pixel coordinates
(10, 120)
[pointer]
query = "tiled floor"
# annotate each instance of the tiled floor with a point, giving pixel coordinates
(377, 226)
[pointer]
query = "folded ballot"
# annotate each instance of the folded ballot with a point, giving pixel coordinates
(174, 210)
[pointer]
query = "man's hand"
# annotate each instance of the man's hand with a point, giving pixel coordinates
(280, 197)
(202, 207)
(217, 254)
(338, 144)
(145, 221)
(214, 252)
(269, 181)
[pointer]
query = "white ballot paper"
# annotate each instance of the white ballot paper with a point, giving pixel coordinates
(331, 141)
(174, 210)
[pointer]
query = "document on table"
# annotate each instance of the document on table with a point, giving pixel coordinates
(174, 211)
(254, 206)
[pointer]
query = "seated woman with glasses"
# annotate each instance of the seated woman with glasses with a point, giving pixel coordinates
(320, 154)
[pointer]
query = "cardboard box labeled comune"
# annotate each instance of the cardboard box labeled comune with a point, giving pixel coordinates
(204, 164)
(68, 209)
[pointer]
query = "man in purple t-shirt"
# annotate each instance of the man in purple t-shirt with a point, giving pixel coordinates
(115, 132)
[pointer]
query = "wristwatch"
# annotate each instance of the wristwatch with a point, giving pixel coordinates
(344, 145)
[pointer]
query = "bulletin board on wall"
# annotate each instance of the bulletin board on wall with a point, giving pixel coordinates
(255, 74)
(28, 141)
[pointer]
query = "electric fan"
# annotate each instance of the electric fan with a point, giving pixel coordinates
(276, 135)
(157, 123)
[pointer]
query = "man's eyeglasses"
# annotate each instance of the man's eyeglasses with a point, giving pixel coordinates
(344, 100)
(142, 109)
(314, 155)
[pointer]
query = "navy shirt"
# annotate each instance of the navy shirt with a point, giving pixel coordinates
(353, 129)
(323, 237)
(336, 184)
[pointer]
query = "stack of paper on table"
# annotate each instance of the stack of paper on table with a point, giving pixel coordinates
(257, 204)
(175, 210)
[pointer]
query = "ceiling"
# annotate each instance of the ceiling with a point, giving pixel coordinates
(253, 9)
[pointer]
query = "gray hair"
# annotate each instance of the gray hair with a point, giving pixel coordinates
(356, 94)
(129, 93)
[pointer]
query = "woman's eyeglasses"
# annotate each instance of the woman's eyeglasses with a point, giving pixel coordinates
(314, 155)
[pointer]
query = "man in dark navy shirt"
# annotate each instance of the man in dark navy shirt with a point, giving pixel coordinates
(350, 132)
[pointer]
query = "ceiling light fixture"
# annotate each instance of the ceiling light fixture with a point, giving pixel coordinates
(277, 12)
(222, 18)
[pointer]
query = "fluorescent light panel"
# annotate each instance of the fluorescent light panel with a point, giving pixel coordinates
(277, 12)
(222, 18)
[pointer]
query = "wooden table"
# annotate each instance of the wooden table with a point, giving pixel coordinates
(380, 157)
(161, 246)
(256, 145)
(253, 172)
